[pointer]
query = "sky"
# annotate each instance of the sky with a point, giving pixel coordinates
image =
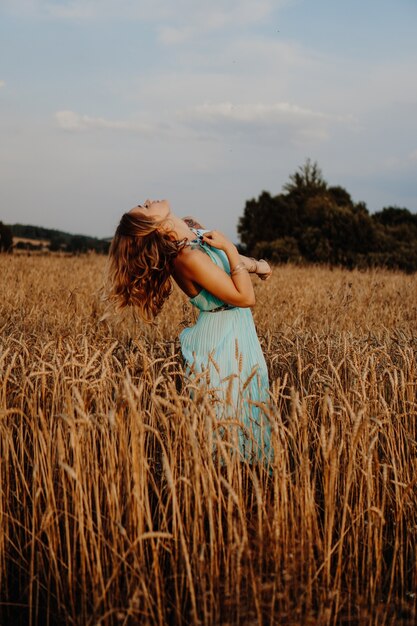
(105, 103)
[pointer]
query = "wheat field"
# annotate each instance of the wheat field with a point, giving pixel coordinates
(114, 509)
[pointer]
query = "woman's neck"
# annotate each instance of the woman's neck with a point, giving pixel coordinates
(180, 229)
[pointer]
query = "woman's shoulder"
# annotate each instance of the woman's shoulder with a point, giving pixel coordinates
(188, 256)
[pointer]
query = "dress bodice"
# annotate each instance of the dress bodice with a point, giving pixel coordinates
(204, 300)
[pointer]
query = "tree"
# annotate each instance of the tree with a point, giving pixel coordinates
(307, 181)
(6, 238)
(266, 219)
(393, 216)
(311, 221)
(57, 243)
(270, 218)
(282, 250)
(340, 196)
(78, 244)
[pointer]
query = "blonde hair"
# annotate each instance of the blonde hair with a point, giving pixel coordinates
(140, 265)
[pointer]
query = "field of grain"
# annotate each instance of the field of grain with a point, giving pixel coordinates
(114, 510)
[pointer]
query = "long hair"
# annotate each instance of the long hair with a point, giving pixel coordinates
(141, 263)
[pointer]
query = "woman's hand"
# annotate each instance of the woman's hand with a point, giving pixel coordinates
(217, 240)
(263, 269)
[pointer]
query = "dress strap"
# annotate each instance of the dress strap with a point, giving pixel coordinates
(198, 241)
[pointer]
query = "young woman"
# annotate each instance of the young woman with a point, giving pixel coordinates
(151, 246)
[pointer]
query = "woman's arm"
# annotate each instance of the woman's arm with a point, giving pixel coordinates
(196, 266)
(261, 268)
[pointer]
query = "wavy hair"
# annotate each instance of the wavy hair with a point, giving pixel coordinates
(141, 263)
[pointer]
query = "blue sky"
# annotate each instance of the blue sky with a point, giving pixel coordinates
(104, 103)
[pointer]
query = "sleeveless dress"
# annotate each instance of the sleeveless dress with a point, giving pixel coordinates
(222, 352)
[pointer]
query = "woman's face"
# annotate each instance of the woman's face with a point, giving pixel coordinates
(157, 209)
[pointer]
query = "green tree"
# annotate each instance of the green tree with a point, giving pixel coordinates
(340, 196)
(266, 218)
(314, 222)
(306, 181)
(282, 250)
(393, 216)
(311, 221)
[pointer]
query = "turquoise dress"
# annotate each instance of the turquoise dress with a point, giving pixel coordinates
(222, 351)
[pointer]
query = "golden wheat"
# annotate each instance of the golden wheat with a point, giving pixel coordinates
(119, 502)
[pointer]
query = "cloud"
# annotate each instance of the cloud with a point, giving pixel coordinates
(211, 17)
(2, 83)
(215, 14)
(279, 111)
(89, 9)
(257, 122)
(413, 156)
(204, 120)
(74, 122)
(300, 124)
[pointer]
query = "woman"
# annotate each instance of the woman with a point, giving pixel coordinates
(222, 350)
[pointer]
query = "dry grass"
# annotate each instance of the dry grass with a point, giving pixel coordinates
(113, 507)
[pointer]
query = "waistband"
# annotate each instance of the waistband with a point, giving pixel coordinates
(223, 307)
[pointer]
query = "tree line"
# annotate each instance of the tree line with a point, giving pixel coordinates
(57, 240)
(312, 222)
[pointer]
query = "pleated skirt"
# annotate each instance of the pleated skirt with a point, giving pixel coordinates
(222, 352)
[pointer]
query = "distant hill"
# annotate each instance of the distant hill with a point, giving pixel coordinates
(26, 236)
